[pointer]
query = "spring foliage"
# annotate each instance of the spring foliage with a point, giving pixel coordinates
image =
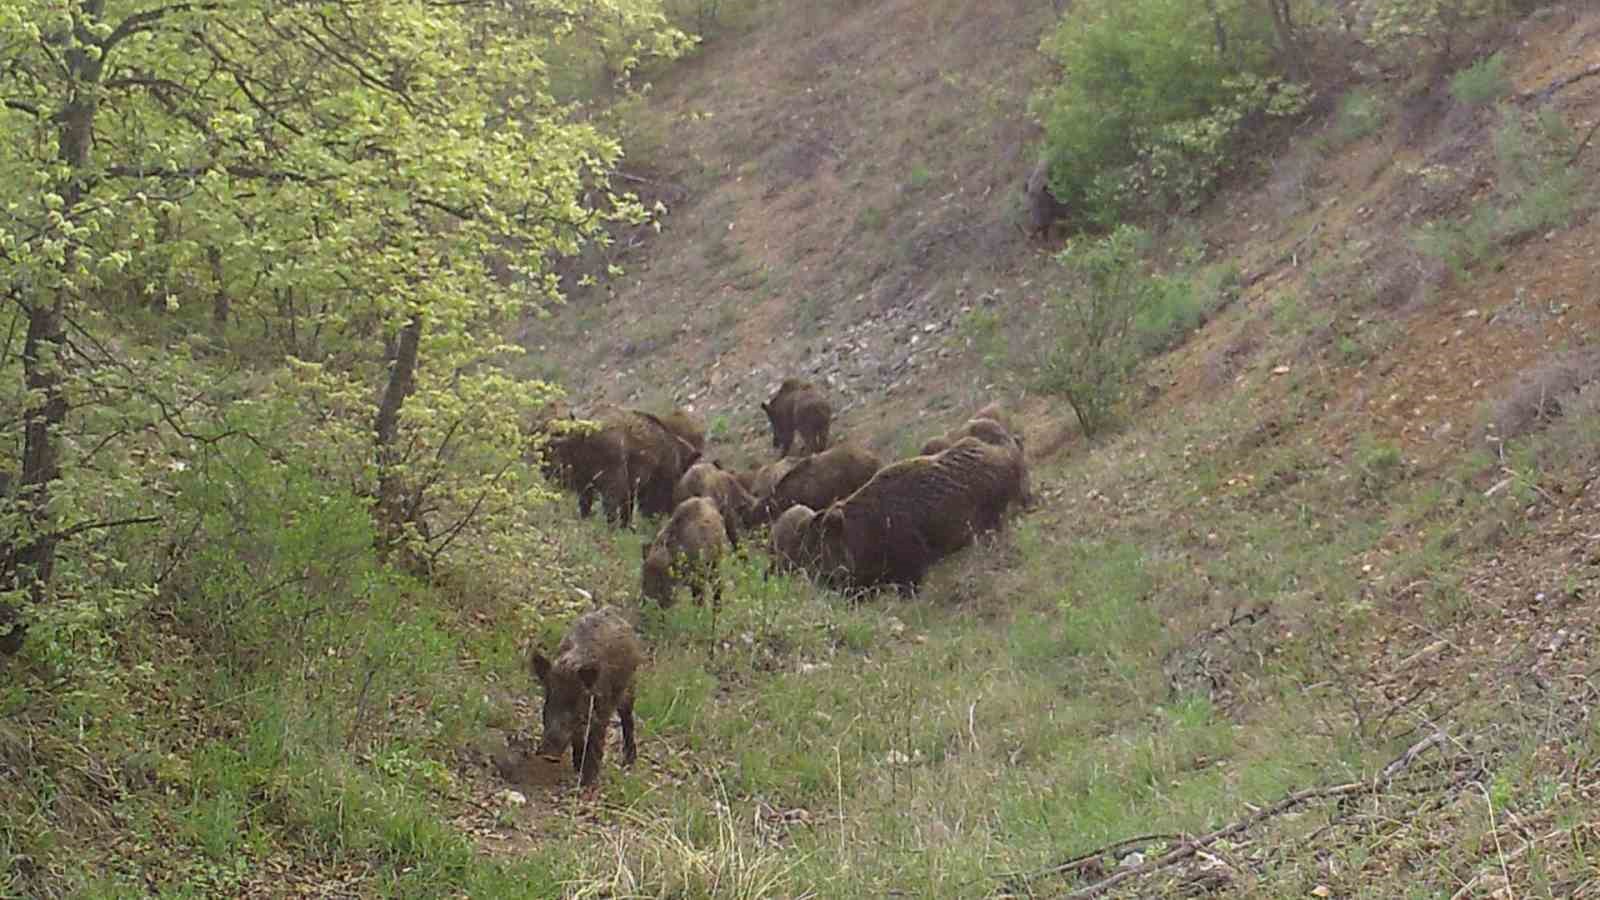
(342, 205)
(1151, 99)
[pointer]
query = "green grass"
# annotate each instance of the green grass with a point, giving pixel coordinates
(1482, 82)
(1027, 707)
(1537, 190)
(1023, 710)
(1360, 114)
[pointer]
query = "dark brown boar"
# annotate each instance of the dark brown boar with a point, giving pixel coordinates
(789, 547)
(1043, 207)
(711, 481)
(591, 679)
(989, 424)
(822, 478)
(799, 407)
(764, 479)
(689, 551)
(625, 457)
(684, 424)
(992, 426)
(914, 513)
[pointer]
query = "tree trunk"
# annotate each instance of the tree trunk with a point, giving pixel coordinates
(1219, 29)
(1288, 46)
(402, 380)
(43, 367)
(41, 451)
(219, 300)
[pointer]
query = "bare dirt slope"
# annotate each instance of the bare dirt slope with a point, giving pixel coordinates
(843, 184)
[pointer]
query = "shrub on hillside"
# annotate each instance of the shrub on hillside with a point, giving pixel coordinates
(1097, 341)
(1481, 83)
(1152, 101)
(1537, 188)
(1539, 395)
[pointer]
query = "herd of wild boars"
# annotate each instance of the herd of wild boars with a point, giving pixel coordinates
(835, 513)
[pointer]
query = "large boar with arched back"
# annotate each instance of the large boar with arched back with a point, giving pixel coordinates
(990, 425)
(821, 478)
(687, 551)
(658, 455)
(799, 408)
(590, 680)
(711, 481)
(626, 457)
(589, 456)
(685, 425)
(914, 513)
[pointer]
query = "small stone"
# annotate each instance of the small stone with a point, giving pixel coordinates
(508, 797)
(1281, 370)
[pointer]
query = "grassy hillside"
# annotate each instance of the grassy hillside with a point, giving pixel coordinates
(1330, 581)
(1315, 617)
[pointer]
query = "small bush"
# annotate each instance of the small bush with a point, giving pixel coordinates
(1360, 114)
(1536, 190)
(1537, 396)
(1098, 341)
(1184, 302)
(1378, 465)
(1481, 83)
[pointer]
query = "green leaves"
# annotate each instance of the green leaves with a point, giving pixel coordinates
(277, 190)
(1150, 99)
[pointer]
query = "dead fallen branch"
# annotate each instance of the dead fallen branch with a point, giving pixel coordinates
(1549, 90)
(1015, 880)
(1191, 846)
(1584, 144)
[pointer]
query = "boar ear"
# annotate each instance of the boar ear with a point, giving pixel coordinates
(833, 520)
(766, 407)
(644, 552)
(540, 666)
(589, 675)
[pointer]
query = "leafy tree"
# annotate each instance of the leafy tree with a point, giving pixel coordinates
(1444, 25)
(1152, 94)
(366, 191)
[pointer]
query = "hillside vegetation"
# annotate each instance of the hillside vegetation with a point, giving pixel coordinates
(1306, 377)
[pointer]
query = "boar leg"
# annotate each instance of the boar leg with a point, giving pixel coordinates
(593, 752)
(618, 499)
(908, 559)
(630, 751)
